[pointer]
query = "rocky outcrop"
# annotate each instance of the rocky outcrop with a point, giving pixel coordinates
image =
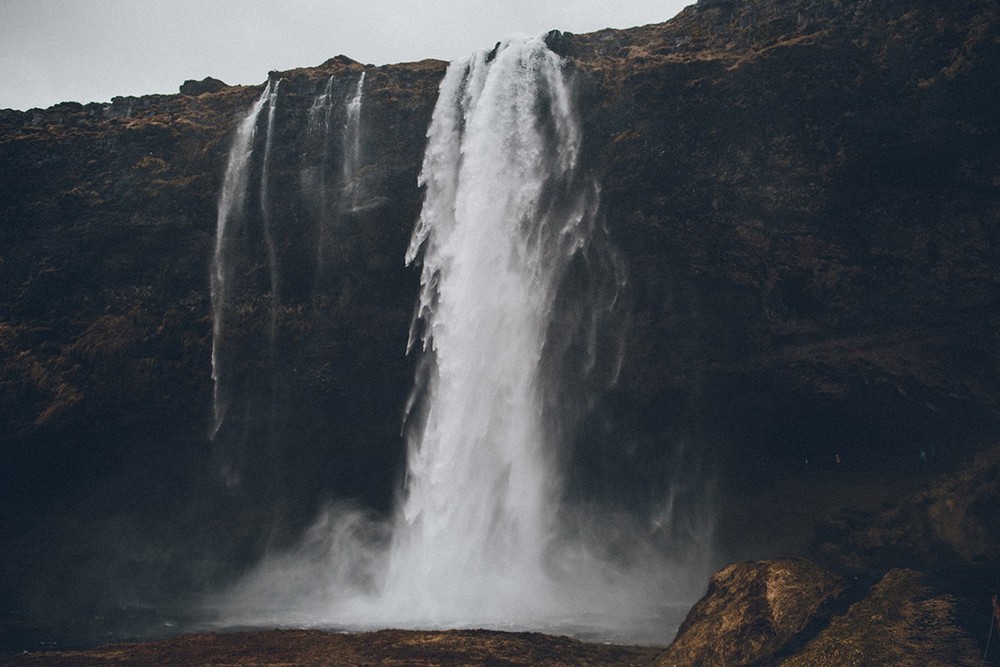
(900, 622)
(754, 611)
(905, 583)
(206, 85)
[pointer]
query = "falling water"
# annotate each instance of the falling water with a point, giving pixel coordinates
(481, 488)
(231, 205)
(266, 217)
(268, 237)
(482, 535)
(330, 203)
(318, 130)
(352, 148)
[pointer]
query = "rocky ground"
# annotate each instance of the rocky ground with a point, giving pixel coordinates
(387, 647)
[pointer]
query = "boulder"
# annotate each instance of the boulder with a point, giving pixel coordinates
(752, 611)
(902, 621)
(206, 85)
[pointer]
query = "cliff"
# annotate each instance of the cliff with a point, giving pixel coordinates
(805, 198)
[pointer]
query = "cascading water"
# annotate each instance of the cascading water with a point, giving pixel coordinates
(266, 217)
(482, 535)
(482, 490)
(281, 202)
(331, 203)
(352, 148)
(314, 174)
(232, 201)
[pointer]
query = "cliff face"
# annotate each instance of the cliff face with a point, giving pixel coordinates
(804, 191)
(109, 227)
(805, 195)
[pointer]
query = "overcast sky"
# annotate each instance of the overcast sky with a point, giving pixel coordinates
(92, 50)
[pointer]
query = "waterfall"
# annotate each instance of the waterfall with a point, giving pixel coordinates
(313, 179)
(330, 203)
(481, 487)
(268, 223)
(511, 331)
(231, 205)
(352, 148)
(269, 274)
(480, 535)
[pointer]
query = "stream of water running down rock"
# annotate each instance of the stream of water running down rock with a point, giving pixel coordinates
(479, 537)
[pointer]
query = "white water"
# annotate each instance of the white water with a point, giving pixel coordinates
(352, 148)
(314, 189)
(329, 202)
(242, 224)
(482, 490)
(481, 536)
(266, 217)
(232, 201)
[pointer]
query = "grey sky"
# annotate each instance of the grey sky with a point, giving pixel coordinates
(92, 50)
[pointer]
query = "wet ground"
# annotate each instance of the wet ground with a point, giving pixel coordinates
(398, 648)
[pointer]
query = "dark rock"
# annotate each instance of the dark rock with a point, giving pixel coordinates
(901, 622)
(712, 4)
(752, 611)
(206, 85)
(558, 41)
(954, 523)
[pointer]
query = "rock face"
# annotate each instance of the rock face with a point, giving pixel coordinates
(753, 611)
(955, 522)
(805, 195)
(900, 622)
(802, 190)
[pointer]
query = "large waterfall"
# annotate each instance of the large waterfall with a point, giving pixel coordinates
(482, 489)
(508, 329)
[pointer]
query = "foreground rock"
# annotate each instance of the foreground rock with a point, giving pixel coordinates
(905, 583)
(753, 611)
(386, 647)
(902, 621)
(792, 613)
